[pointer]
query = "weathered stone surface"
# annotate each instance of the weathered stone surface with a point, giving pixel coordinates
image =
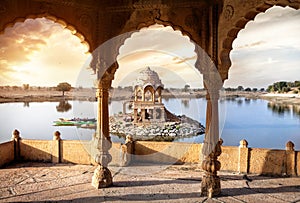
(41, 182)
(167, 131)
(6, 153)
(102, 177)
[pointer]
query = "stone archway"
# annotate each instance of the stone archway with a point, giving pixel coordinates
(100, 22)
(105, 65)
(64, 24)
(234, 18)
(68, 14)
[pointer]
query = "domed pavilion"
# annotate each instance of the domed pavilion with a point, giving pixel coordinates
(147, 104)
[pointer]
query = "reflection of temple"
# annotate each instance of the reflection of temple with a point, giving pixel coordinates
(147, 105)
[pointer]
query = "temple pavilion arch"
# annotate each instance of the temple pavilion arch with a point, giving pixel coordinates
(107, 55)
(149, 108)
(213, 25)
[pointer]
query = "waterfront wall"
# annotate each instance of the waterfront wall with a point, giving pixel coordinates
(62, 151)
(238, 159)
(6, 153)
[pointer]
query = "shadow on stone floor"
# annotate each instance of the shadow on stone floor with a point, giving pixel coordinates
(135, 197)
(256, 190)
(142, 183)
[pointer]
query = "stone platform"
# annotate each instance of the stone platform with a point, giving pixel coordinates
(45, 182)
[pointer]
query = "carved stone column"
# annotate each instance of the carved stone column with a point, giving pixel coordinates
(102, 176)
(210, 185)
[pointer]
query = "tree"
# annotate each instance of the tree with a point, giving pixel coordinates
(63, 106)
(186, 87)
(64, 87)
(26, 86)
(240, 88)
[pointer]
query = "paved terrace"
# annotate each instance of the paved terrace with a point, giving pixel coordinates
(40, 182)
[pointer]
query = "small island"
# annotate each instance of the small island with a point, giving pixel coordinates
(150, 119)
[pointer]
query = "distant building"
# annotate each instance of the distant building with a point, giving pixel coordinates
(147, 104)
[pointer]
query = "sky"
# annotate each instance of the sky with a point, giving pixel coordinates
(40, 52)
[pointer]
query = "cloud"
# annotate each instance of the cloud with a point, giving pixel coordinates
(161, 48)
(247, 46)
(267, 50)
(36, 50)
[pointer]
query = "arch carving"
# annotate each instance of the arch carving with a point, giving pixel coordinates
(14, 11)
(184, 21)
(234, 18)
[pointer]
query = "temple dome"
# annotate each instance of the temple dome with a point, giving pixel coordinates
(148, 77)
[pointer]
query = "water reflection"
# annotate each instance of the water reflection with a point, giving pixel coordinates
(63, 106)
(186, 103)
(296, 110)
(253, 121)
(239, 102)
(247, 101)
(282, 109)
(26, 104)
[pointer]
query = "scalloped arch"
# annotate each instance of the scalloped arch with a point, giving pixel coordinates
(62, 22)
(240, 24)
(159, 22)
(139, 27)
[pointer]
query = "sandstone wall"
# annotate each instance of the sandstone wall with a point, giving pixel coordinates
(298, 163)
(229, 158)
(166, 152)
(265, 161)
(238, 159)
(36, 150)
(62, 151)
(6, 153)
(80, 152)
(75, 152)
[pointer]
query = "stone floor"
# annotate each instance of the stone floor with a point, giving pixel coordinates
(44, 182)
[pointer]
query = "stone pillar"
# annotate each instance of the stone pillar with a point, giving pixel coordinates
(210, 185)
(56, 158)
(143, 114)
(163, 114)
(16, 139)
(243, 157)
(102, 176)
(290, 159)
(153, 96)
(143, 95)
(160, 97)
(56, 135)
(127, 151)
(135, 116)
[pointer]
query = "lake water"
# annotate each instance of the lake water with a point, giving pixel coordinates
(263, 125)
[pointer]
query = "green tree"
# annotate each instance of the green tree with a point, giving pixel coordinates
(240, 88)
(63, 106)
(64, 87)
(26, 86)
(186, 87)
(248, 89)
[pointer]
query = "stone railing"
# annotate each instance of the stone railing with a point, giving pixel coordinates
(57, 151)
(6, 153)
(238, 159)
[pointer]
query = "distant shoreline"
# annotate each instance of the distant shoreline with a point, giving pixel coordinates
(10, 96)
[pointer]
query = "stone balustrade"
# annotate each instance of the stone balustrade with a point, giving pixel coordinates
(240, 159)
